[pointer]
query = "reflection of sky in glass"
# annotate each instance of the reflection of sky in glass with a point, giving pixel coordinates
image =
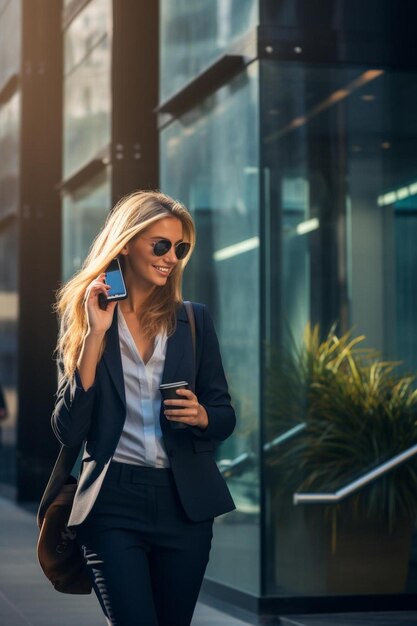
(9, 154)
(193, 34)
(85, 31)
(84, 213)
(10, 21)
(10, 43)
(87, 85)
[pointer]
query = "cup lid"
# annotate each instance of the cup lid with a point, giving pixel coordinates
(180, 383)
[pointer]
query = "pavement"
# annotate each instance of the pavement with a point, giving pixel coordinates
(28, 599)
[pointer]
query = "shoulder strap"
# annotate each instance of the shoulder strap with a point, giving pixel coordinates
(191, 320)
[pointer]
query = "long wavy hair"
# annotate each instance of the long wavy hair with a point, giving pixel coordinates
(131, 216)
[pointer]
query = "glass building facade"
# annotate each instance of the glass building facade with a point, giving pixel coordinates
(211, 163)
(87, 128)
(338, 145)
(10, 19)
(299, 172)
(287, 128)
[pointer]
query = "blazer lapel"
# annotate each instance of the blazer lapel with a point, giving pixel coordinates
(176, 347)
(112, 358)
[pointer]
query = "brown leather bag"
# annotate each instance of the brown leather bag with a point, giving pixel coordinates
(58, 553)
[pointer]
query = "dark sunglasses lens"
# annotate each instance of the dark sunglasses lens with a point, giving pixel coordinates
(161, 247)
(181, 250)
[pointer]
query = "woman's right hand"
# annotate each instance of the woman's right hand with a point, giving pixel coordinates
(99, 320)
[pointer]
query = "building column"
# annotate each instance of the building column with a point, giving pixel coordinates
(39, 240)
(135, 73)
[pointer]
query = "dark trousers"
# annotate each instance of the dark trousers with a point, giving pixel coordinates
(146, 559)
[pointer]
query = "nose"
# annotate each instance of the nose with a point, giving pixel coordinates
(170, 257)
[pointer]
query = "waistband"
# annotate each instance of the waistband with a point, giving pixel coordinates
(128, 473)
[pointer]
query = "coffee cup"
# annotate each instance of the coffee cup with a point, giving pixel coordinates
(169, 392)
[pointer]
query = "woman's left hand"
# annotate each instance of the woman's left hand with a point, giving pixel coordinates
(191, 412)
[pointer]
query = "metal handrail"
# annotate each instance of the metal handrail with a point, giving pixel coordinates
(244, 460)
(380, 470)
(237, 465)
(287, 435)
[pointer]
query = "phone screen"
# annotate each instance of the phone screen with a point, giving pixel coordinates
(114, 278)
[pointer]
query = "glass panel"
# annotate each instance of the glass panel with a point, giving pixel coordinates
(194, 33)
(8, 347)
(405, 261)
(340, 188)
(10, 39)
(9, 199)
(87, 108)
(86, 31)
(87, 88)
(209, 162)
(9, 155)
(333, 16)
(84, 213)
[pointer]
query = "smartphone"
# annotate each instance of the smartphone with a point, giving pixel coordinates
(114, 278)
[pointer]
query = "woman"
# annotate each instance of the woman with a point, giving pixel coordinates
(147, 492)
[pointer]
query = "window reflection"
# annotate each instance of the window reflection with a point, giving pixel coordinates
(8, 346)
(84, 213)
(339, 148)
(87, 108)
(10, 24)
(85, 32)
(194, 33)
(87, 87)
(9, 155)
(9, 172)
(209, 161)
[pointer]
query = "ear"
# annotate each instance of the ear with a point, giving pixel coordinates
(124, 250)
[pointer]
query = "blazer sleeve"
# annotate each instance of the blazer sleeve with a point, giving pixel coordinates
(71, 417)
(211, 385)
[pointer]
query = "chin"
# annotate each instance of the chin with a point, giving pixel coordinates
(159, 281)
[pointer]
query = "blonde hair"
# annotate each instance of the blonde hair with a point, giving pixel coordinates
(131, 216)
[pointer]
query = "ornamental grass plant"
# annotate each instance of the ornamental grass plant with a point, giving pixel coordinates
(357, 411)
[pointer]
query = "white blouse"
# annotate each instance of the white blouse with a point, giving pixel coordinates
(141, 441)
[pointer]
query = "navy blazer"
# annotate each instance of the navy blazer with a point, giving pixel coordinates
(96, 418)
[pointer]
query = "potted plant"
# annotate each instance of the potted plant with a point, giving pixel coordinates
(354, 412)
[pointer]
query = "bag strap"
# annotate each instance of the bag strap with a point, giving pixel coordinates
(191, 320)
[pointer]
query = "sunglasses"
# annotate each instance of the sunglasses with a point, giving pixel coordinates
(163, 246)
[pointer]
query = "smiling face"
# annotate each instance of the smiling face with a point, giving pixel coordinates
(142, 267)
